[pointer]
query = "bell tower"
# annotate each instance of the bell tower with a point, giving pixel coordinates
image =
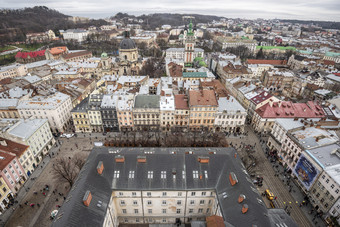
(189, 45)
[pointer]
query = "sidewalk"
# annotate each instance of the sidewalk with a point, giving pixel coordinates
(296, 193)
(28, 184)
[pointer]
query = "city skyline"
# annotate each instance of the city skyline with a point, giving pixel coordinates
(328, 10)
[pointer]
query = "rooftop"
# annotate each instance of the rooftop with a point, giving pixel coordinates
(181, 102)
(202, 98)
(44, 102)
(229, 104)
(174, 162)
(26, 128)
(326, 156)
(147, 101)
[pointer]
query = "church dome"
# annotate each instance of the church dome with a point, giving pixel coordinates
(127, 43)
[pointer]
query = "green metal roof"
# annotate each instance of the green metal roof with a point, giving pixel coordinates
(194, 74)
(332, 54)
(275, 47)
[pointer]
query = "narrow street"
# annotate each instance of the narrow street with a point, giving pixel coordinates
(275, 183)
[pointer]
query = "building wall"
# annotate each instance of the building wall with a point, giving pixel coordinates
(202, 116)
(5, 194)
(125, 119)
(167, 119)
(81, 122)
(9, 113)
(12, 174)
(146, 118)
(163, 206)
(230, 121)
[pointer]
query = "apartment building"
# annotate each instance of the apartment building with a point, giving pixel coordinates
(203, 106)
(6, 195)
(80, 118)
(182, 114)
(230, 115)
(277, 80)
(8, 108)
(12, 71)
(35, 133)
(167, 112)
(146, 112)
(11, 170)
(94, 112)
(124, 112)
(230, 42)
(165, 186)
(108, 110)
(55, 107)
(265, 116)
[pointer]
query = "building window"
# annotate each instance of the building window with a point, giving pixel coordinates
(148, 193)
(150, 174)
(150, 211)
(179, 202)
(137, 220)
(134, 193)
(201, 202)
(208, 210)
(149, 202)
(163, 174)
(179, 193)
(120, 193)
(200, 210)
(193, 193)
(191, 211)
(135, 202)
(178, 211)
(164, 202)
(195, 174)
(136, 211)
(122, 202)
(192, 202)
(164, 193)
(204, 193)
(164, 220)
(116, 174)
(124, 211)
(164, 211)
(132, 174)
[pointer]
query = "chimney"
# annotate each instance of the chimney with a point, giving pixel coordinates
(87, 198)
(233, 179)
(241, 198)
(244, 208)
(100, 168)
(3, 143)
(203, 159)
(119, 159)
(141, 159)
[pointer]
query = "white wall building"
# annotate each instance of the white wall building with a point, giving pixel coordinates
(79, 35)
(56, 108)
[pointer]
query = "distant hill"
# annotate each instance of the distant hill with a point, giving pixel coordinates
(323, 24)
(15, 23)
(158, 19)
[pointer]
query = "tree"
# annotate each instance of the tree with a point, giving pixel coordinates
(67, 169)
(260, 54)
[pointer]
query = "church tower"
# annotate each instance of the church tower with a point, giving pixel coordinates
(189, 45)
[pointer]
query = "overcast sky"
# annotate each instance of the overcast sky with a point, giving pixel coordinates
(284, 9)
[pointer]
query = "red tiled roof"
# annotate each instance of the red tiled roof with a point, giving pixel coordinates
(6, 159)
(261, 97)
(287, 109)
(76, 54)
(215, 221)
(180, 102)
(328, 62)
(202, 98)
(33, 54)
(337, 74)
(13, 147)
(58, 50)
(268, 62)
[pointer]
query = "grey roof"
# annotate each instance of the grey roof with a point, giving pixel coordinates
(221, 163)
(82, 106)
(127, 43)
(26, 128)
(147, 101)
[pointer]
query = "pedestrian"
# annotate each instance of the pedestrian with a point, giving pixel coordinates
(44, 193)
(38, 204)
(56, 199)
(64, 198)
(20, 205)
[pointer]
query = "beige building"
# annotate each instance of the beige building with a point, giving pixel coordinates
(8, 108)
(146, 112)
(128, 55)
(182, 111)
(12, 71)
(203, 106)
(124, 112)
(80, 117)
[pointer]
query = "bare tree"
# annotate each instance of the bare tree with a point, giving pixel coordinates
(67, 169)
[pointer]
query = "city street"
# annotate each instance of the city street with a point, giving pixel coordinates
(275, 181)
